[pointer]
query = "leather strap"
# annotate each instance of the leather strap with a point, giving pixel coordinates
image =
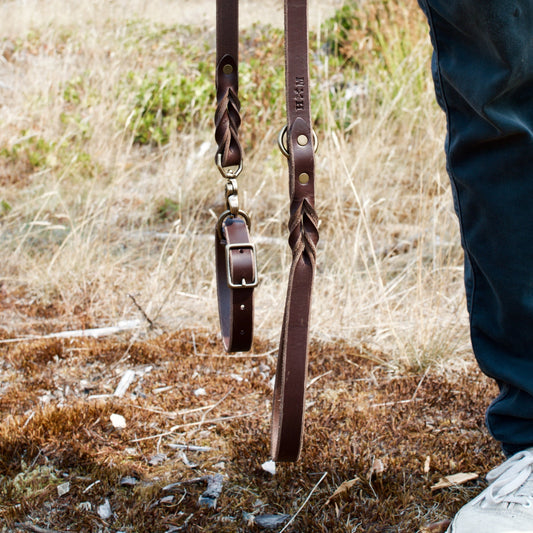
(291, 375)
(236, 269)
(236, 279)
(227, 117)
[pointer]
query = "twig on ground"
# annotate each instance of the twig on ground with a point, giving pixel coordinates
(390, 404)
(32, 414)
(172, 486)
(420, 383)
(36, 529)
(410, 400)
(304, 503)
(315, 379)
(89, 487)
(124, 325)
(216, 404)
(189, 447)
(168, 414)
(195, 351)
(142, 311)
(191, 424)
(237, 356)
(195, 410)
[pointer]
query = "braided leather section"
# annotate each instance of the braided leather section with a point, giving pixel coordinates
(303, 231)
(291, 373)
(227, 115)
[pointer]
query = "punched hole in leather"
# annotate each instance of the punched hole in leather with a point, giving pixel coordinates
(236, 279)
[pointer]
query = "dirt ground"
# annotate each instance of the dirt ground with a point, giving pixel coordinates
(377, 439)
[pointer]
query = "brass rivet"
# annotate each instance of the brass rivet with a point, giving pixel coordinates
(302, 140)
(303, 178)
(227, 69)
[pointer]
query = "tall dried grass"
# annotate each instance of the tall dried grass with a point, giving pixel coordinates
(89, 217)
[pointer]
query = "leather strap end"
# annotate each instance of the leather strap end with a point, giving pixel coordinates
(236, 274)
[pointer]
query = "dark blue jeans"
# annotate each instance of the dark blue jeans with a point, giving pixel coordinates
(483, 74)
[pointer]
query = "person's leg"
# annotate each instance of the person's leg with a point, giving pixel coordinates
(483, 73)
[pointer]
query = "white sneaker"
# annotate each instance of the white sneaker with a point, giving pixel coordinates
(506, 505)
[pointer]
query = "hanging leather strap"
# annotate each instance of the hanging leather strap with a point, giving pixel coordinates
(227, 117)
(236, 270)
(236, 279)
(291, 375)
(235, 254)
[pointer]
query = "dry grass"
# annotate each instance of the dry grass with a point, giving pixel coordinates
(82, 205)
(88, 217)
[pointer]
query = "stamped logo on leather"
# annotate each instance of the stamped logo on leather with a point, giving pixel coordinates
(299, 86)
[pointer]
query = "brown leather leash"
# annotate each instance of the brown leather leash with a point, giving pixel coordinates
(236, 268)
(235, 254)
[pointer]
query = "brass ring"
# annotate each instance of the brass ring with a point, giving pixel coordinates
(283, 144)
(228, 173)
(227, 214)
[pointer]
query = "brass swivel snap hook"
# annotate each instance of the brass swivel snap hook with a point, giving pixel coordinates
(228, 173)
(232, 196)
(232, 206)
(231, 193)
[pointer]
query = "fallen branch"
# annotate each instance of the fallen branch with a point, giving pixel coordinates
(124, 325)
(142, 311)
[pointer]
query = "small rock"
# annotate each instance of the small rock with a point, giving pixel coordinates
(118, 421)
(129, 481)
(157, 459)
(8, 50)
(84, 506)
(271, 521)
(211, 494)
(269, 466)
(104, 511)
(63, 489)
(131, 451)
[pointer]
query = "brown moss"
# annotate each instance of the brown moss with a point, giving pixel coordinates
(359, 415)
